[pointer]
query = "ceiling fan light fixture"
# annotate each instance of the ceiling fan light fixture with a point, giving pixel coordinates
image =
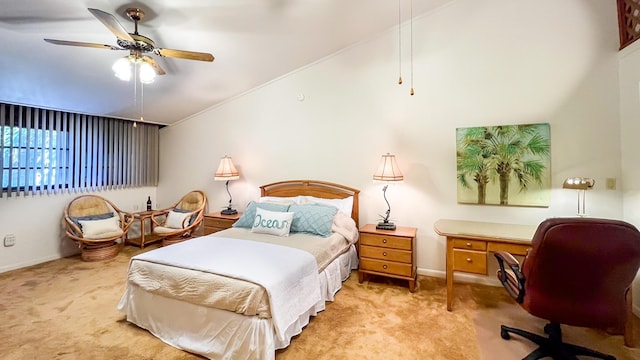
(147, 73)
(122, 68)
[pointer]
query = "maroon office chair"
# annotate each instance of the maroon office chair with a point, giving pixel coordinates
(578, 272)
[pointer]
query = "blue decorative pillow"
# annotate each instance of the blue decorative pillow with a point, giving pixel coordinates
(313, 218)
(272, 222)
(246, 220)
(77, 219)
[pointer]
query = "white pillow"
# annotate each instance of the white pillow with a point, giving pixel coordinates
(345, 205)
(98, 227)
(280, 200)
(176, 219)
(272, 222)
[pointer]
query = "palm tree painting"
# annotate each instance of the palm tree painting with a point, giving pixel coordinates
(504, 165)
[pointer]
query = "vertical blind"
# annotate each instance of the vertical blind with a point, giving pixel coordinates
(49, 151)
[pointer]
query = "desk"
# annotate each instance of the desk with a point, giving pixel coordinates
(141, 241)
(469, 244)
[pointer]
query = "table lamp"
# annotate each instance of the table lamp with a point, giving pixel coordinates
(582, 185)
(226, 172)
(388, 172)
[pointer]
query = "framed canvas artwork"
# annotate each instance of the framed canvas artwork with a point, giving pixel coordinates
(507, 165)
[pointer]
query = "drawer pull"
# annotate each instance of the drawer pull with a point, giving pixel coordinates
(468, 244)
(384, 267)
(384, 241)
(384, 253)
(469, 260)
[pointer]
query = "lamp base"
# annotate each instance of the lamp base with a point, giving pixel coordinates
(229, 211)
(386, 226)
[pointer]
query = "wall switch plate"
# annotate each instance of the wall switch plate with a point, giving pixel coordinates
(9, 240)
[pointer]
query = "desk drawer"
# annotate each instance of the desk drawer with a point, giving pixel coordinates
(514, 249)
(388, 267)
(470, 261)
(386, 254)
(396, 242)
(469, 244)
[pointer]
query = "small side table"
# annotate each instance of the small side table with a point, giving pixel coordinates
(144, 239)
(388, 253)
(216, 222)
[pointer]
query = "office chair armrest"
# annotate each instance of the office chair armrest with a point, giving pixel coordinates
(511, 279)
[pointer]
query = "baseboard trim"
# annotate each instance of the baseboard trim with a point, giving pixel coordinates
(29, 263)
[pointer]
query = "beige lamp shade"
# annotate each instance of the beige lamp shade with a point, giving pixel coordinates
(578, 183)
(226, 170)
(388, 170)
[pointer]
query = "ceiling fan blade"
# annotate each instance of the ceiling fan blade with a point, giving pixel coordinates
(182, 54)
(112, 24)
(153, 64)
(84, 44)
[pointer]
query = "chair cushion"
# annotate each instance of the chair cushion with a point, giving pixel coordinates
(87, 206)
(77, 219)
(192, 201)
(175, 219)
(101, 228)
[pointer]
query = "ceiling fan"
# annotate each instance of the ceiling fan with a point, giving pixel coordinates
(137, 44)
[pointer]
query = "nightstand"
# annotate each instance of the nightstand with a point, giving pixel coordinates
(216, 222)
(388, 253)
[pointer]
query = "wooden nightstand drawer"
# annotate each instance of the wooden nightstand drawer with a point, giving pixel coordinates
(387, 241)
(470, 261)
(386, 254)
(470, 244)
(217, 222)
(388, 267)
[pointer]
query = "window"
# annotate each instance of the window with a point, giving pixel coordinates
(30, 151)
(51, 151)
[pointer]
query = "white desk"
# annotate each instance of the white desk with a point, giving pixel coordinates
(469, 244)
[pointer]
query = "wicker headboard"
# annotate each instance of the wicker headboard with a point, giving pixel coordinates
(315, 188)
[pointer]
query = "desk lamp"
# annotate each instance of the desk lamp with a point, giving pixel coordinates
(388, 172)
(582, 185)
(227, 171)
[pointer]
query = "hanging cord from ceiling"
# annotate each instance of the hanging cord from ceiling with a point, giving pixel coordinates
(399, 43)
(411, 46)
(135, 92)
(411, 92)
(135, 95)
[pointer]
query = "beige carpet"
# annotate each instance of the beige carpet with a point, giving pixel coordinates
(66, 309)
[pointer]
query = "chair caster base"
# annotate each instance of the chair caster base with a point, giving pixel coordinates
(552, 346)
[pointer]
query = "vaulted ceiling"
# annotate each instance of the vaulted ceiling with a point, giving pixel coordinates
(253, 41)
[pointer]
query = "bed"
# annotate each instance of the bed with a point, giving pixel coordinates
(244, 292)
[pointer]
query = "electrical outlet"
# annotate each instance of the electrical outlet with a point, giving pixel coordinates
(611, 183)
(9, 240)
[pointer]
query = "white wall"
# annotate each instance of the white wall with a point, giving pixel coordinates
(475, 63)
(36, 221)
(630, 126)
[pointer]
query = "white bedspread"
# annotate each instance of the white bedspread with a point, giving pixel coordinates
(290, 276)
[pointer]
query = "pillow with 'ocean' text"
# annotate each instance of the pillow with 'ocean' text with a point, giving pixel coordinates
(246, 220)
(272, 222)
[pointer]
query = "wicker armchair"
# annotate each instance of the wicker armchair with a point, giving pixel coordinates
(178, 222)
(97, 226)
